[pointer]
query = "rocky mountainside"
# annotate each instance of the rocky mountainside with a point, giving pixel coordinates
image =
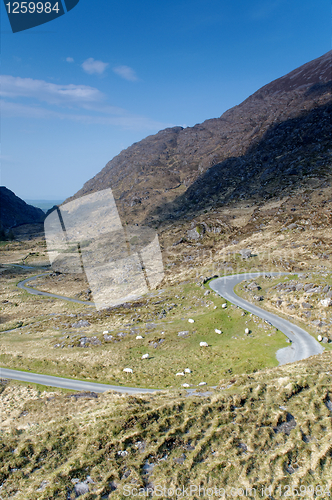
(273, 140)
(14, 211)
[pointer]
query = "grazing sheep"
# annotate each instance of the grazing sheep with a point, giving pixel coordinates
(139, 337)
(224, 306)
(128, 370)
(319, 338)
(246, 330)
(105, 332)
(217, 331)
(202, 383)
(187, 370)
(81, 489)
(204, 344)
(185, 385)
(145, 356)
(180, 374)
(191, 320)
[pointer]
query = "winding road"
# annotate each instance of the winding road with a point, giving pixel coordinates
(303, 345)
(34, 291)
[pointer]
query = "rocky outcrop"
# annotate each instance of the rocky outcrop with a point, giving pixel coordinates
(273, 140)
(15, 212)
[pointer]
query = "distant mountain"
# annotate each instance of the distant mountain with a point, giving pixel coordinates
(273, 140)
(14, 211)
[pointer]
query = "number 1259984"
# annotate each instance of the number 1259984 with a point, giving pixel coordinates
(32, 7)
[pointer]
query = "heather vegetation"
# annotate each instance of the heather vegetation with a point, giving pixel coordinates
(272, 428)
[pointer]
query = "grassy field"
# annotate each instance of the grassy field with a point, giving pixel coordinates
(268, 429)
(50, 344)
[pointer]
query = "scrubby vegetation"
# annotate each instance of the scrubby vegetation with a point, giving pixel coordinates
(272, 428)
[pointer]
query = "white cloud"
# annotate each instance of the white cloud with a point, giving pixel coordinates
(126, 72)
(92, 66)
(13, 87)
(114, 116)
(70, 60)
(38, 99)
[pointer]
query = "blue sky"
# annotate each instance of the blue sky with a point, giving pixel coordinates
(78, 90)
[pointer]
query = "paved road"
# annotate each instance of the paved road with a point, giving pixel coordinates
(34, 291)
(303, 344)
(66, 383)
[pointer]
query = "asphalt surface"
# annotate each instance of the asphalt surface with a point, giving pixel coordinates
(303, 345)
(34, 291)
(66, 383)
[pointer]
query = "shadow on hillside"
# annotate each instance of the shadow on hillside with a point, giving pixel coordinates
(289, 153)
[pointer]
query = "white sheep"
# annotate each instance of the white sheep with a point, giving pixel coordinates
(191, 320)
(217, 331)
(203, 344)
(180, 374)
(246, 330)
(187, 370)
(224, 306)
(145, 356)
(123, 453)
(202, 383)
(139, 337)
(319, 338)
(105, 332)
(185, 385)
(128, 370)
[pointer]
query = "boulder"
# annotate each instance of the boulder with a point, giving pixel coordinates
(305, 305)
(80, 324)
(183, 334)
(193, 234)
(245, 253)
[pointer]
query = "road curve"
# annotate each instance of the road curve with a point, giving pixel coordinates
(303, 345)
(34, 291)
(66, 383)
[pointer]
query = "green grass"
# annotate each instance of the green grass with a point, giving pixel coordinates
(231, 352)
(231, 433)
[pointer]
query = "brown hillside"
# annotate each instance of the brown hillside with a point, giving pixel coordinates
(160, 168)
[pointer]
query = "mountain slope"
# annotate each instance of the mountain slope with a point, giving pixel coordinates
(14, 211)
(160, 168)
